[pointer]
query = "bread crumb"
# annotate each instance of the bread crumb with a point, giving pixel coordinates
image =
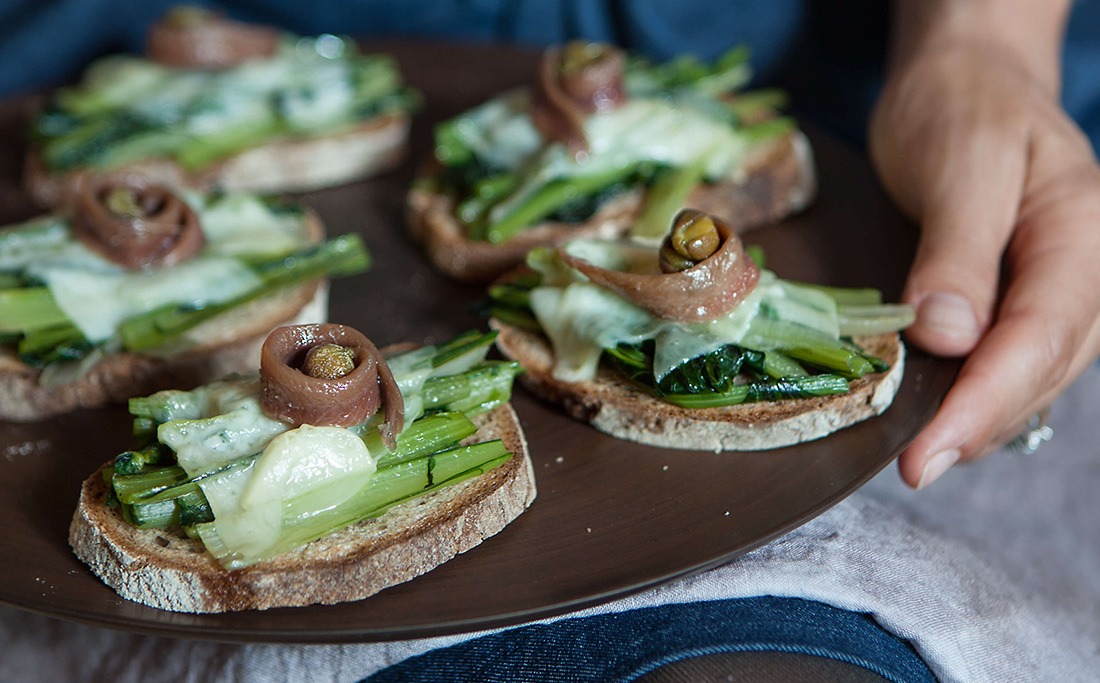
(560, 459)
(727, 513)
(665, 468)
(589, 529)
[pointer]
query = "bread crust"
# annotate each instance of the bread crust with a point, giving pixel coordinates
(226, 343)
(284, 165)
(616, 406)
(779, 179)
(167, 570)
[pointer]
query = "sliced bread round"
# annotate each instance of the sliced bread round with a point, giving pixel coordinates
(168, 570)
(777, 180)
(616, 406)
(226, 343)
(285, 165)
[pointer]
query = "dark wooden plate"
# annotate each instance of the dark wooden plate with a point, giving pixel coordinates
(611, 517)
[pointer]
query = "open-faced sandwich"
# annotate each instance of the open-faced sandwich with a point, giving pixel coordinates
(135, 288)
(600, 145)
(334, 473)
(221, 104)
(693, 345)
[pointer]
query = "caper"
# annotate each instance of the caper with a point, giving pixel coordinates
(693, 238)
(671, 262)
(123, 201)
(578, 54)
(329, 361)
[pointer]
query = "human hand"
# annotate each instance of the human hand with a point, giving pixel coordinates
(970, 140)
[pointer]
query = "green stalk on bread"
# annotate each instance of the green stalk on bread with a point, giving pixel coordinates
(128, 108)
(505, 176)
(784, 340)
(62, 304)
(443, 387)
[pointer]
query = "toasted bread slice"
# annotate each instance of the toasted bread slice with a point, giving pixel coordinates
(287, 165)
(616, 406)
(226, 343)
(778, 180)
(170, 571)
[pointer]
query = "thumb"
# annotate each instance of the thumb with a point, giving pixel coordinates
(966, 223)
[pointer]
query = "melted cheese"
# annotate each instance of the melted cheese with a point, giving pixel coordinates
(97, 302)
(304, 459)
(308, 90)
(664, 132)
(500, 132)
(318, 467)
(582, 319)
(242, 225)
(227, 430)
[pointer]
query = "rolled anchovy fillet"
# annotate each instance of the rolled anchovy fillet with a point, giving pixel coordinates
(709, 289)
(572, 83)
(291, 395)
(134, 223)
(192, 37)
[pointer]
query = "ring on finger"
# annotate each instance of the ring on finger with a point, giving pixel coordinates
(1034, 434)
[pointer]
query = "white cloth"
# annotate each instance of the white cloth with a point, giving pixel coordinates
(993, 573)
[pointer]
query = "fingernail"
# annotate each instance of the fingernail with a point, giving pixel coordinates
(948, 313)
(937, 465)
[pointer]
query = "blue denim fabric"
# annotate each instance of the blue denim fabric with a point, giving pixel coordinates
(626, 645)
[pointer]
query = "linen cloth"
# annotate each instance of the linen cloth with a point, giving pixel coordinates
(992, 573)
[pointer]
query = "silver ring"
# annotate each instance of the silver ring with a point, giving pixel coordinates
(1034, 434)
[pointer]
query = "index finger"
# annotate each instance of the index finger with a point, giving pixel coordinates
(1043, 336)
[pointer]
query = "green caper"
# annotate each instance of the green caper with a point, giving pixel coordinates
(123, 201)
(693, 238)
(329, 361)
(576, 55)
(671, 262)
